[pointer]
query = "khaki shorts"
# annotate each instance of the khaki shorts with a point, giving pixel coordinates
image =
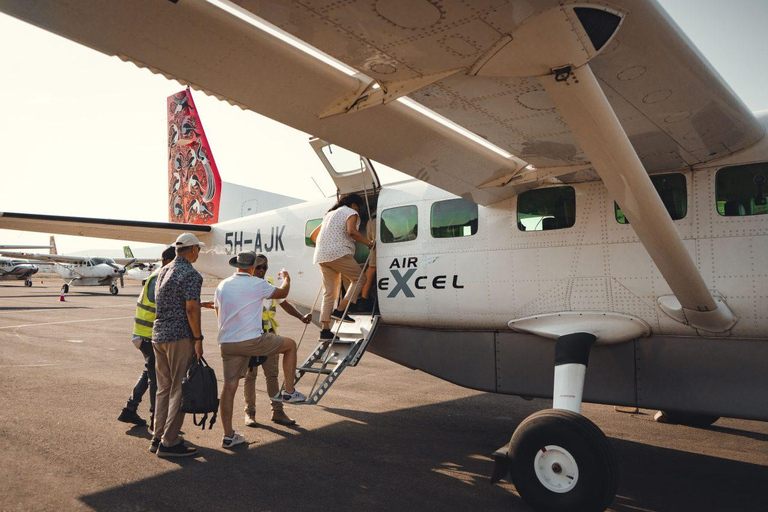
(236, 355)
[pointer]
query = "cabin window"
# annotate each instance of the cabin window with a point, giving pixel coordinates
(673, 193)
(342, 160)
(546, 209)
(308, 229)
(453, 218)
(740, 190)
(399, 224)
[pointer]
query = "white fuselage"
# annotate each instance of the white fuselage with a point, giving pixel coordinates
(88, 273)
(16, 270)
(140, 274)
(502, 273)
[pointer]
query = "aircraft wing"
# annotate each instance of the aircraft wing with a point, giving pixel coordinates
(57, 258)
(675, 108)
(138, 231)
(15, 247)
(135, 261)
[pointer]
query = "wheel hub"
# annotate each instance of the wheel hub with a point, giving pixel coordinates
(556, 469)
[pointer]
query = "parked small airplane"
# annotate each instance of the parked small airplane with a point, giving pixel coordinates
(18, 269)
(83, 270)
(141, 269)
(587, 189)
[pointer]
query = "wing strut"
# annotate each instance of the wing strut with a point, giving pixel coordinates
(577, 94)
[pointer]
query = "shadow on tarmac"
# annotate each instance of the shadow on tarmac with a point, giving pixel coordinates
(432, 457)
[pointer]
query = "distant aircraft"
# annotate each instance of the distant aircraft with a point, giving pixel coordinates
(587, 190)
(18, 269)
(140, 269)
(83, 270)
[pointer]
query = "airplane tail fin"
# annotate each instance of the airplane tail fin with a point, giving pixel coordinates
(53, 245)
(127, 251)
(194, 190)
(194, 185)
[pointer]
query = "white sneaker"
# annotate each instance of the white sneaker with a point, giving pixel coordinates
(229, 442)
(296, 396)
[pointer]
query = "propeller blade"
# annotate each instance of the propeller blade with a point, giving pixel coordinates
(122, 282)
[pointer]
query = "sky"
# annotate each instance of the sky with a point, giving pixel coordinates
(84, 134)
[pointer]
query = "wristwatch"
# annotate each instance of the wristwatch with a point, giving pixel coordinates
(201, 338)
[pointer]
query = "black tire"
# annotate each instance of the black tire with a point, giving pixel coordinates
(690, 419)
(28, 283)
(113, 289)
(66, 288)
(596, 482)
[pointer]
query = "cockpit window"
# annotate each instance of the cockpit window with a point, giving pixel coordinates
(546, 209)
(399, 224)
(453, 218)
(741, 190)
(673, 192)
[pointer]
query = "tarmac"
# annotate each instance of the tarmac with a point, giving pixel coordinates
(385, 438)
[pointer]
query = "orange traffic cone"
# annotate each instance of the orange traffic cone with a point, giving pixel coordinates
(61, 297)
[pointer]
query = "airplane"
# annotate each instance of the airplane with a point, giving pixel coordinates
(590, 193)
(17, 269)
(140, 269)
(82, 270)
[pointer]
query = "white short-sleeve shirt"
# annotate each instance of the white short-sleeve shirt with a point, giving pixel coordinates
(333, 242)
(239, 300)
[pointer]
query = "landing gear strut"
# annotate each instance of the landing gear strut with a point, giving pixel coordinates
(557, 458)
(113, 289)
(28, 283)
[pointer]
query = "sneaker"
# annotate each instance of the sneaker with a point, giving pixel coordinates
(250, 420)
(327, 335)
(229, 442)
(154, 445)
(179, 450)
(130, 416)
(294, 397)
(339, 315)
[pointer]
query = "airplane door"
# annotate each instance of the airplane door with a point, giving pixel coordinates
(349, 171)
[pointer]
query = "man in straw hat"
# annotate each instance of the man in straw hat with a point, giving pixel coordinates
(238, 303)
(176, 338)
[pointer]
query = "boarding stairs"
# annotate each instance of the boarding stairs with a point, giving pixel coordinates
(324, 365)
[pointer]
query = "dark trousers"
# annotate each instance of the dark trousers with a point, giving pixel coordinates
(146, 380)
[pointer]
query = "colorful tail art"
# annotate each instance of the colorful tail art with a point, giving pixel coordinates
(194, 188)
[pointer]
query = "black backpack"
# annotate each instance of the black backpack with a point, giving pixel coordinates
(199, 392)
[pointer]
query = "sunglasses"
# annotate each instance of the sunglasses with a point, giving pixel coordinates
(261, 267)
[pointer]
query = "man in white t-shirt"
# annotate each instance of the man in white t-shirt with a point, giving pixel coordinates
(238, 303)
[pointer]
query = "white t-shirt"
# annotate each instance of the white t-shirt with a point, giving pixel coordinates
(333, 242)
(239, 299)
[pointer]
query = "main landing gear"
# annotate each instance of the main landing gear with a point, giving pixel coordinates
(28, 283)
(65, 287)
(113, 289)
(557, 458)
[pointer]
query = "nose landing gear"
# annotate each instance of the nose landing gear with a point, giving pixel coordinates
(113, 289)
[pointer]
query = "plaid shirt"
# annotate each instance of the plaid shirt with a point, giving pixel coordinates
(177, 283)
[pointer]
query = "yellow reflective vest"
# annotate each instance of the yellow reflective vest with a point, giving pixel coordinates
(145, 309)
(268, 321)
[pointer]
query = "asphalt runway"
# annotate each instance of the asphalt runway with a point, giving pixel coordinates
(385, 437)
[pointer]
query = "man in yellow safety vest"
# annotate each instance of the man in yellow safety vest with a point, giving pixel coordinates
(142, 338)
(271, 365)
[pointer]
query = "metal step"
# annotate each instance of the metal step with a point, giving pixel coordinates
(324, 371)
(329, 359)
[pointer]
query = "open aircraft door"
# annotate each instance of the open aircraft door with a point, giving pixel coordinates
(349, 171)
